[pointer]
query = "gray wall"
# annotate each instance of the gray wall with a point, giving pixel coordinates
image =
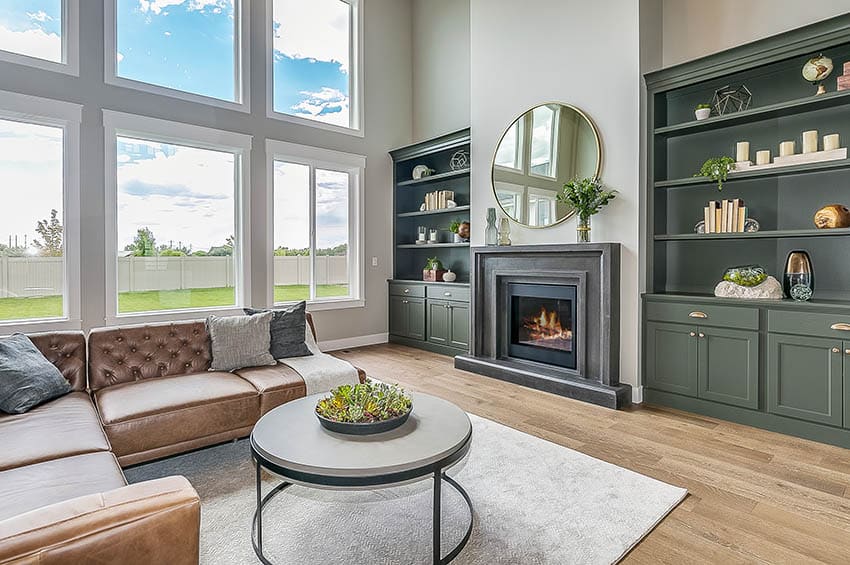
(388, 99)
(440, 67)
(693, 28)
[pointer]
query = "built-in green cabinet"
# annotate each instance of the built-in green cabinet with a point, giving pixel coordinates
(448, 323)
(671, 358)
(407, 317)
(459, 325)
(433, 316)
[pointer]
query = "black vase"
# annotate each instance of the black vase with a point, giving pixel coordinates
(798, 271)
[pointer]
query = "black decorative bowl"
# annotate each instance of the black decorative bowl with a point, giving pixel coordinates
(364, 428)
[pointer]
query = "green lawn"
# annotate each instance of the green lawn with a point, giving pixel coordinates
(149, 301)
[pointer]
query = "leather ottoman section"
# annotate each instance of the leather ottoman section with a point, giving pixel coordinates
(60, 428)
(277, 384)
(33, 486)
(191, 411)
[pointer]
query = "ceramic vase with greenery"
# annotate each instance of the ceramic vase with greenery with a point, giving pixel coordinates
(702, 111)
(586, 196)
(717, 169)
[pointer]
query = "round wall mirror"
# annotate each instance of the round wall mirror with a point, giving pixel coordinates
(540, 152)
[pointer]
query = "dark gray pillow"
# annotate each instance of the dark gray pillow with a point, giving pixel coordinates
(27, 378)
(287, 330)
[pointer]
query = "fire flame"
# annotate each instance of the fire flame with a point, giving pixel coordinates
(546, 326)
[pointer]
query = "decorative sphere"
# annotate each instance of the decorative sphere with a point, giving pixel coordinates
(832, 216)
(817, 68)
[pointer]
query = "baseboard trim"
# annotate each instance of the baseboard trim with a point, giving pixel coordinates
(357, 341)
(637, 395)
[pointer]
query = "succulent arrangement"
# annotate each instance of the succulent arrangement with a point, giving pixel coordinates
(746, 275)
(364, 403)
(717, 169)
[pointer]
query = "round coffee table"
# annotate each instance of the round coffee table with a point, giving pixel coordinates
(290, 442)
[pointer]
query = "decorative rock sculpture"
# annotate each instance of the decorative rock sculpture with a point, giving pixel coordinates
(770, 289)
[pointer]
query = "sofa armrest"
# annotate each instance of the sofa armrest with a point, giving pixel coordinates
(155, 521)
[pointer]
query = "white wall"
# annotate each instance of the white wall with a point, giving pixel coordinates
(586, 54)
(388, 110)
(440, 67)
(694, 28)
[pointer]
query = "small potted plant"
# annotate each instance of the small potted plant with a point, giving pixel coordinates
(460, 229)
(702, 111)
(433, 271)
(717, 169)
(586, 196)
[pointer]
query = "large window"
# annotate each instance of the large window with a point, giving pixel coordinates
(38, 180)
(314, 62)
(186, 46)
(40, 33)
(177, 217)
(544, 134)
(316, 219)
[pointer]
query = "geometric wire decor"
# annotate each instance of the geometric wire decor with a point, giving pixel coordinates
(730, 99)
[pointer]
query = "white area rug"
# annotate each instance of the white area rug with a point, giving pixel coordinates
(535, 503)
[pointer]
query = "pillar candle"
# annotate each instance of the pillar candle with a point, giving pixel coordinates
(810, 141)
(763, 157)
(831, 142)
(786, 148)
(742, 151)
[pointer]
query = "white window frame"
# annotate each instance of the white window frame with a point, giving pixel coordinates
(553, 138)
(119, 124)
(242, 62)
(519, 147)
(355, 75)
(70, 63)
(326, 159)
(65, 115)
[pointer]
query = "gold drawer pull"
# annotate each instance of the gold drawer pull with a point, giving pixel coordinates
(842, 327)
(836, 350)
(701, 315)
(406, 290)
(447, 294)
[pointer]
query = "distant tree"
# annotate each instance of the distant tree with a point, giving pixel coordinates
(199, 253)
(144, 244)
(339, 250)
(51, 233)
(12, 251)
(171, 253)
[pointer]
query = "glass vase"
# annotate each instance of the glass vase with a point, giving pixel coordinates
(491, 234)
(583, 230)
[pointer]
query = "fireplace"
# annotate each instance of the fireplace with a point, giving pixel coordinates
(542, 322)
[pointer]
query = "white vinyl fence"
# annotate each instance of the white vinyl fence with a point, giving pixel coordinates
(42, 276)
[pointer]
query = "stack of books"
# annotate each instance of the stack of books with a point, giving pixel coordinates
(439, 199)
(725, 216)
(844, 80)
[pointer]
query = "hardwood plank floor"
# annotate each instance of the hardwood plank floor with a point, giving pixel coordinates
(755, 496)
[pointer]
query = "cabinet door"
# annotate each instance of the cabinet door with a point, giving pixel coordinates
(416, 318)
(729, 366)
(804, 378)
(671, 358)
(399, 316)
(438, 322)
(459, 325)
(847, 384)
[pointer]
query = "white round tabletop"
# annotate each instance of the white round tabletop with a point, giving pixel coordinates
(291, 438)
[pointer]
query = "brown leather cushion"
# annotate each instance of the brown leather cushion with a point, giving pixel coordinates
(148, 414)
(135, 353)
(277, 384)
(66, 426)
(33, 486)
(66, 350)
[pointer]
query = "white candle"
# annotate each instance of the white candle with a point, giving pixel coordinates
(763, 157)
(831, 142)
(786, 148)
(810, 141)
(742, 151)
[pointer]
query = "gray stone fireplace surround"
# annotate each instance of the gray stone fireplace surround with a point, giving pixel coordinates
(594, 270)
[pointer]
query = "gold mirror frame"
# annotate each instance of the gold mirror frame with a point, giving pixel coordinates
(596, 137)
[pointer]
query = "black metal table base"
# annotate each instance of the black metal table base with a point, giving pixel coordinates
(439, 477)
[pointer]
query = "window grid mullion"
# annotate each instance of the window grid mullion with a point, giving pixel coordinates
(312, 204)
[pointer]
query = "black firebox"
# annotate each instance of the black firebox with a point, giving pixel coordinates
(543, 323)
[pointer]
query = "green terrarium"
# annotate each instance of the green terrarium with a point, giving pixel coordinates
(746, 275)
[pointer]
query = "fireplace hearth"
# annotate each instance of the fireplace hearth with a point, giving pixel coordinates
(547, 317)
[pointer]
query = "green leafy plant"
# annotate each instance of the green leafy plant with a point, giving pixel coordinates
(703, 106)
(364, 403)
(433, 264)
(587, 196)
(454, 227)
(717, 169)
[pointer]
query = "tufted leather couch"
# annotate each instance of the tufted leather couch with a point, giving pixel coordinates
(139, 393)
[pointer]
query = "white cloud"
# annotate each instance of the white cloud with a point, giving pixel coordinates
(32, 42)
(40, 16)
(328, 105)
(157, 6)
(318, 29)
(167, 34)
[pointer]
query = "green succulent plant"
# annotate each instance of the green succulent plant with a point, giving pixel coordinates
(454, 227)
(703, 106)
(717, 169)
(433, 264)
(364, 403)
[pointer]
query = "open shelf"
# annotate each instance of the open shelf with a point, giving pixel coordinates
(433, 212)
(430, 245)
(763, 173)
(771, 111)
(767, 234)
(434, 178)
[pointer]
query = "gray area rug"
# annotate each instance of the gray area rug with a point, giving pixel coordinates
(535, 503)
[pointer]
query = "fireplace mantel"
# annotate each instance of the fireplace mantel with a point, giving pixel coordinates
(594, 269)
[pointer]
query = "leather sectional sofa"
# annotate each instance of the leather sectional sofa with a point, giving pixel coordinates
(139, 393)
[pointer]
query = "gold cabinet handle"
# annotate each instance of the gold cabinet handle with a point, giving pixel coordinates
(842, 327)
(698, 314)
(447, 294)
(406, 290)
(693, 334)
(836, 350)
(701, 335)
(847, 351)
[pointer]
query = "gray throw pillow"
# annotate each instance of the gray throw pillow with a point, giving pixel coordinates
(239, 341)
(27, 378)
(287, 330)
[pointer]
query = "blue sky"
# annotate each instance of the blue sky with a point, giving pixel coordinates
(32, 27)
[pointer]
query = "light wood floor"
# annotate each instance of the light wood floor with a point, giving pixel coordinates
(755, 496)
